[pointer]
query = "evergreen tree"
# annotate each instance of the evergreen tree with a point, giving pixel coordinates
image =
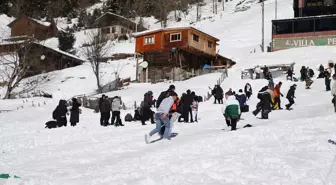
(66, 41)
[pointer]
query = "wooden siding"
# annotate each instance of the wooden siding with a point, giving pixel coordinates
(202, 43)
(141, 47)
(26, 26)
(168, 45)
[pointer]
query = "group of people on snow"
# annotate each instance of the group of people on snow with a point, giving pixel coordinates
(106, 106)
(62, 110)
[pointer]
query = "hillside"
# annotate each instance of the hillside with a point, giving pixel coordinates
(291, 148)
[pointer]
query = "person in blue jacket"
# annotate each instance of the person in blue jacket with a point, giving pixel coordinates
(241, 98)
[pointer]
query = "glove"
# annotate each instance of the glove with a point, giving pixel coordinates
(281, 95)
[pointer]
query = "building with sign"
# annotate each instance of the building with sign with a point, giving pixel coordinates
(304, 8)
(303, 32)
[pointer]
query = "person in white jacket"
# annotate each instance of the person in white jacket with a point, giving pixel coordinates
(162, 117)
(333, 91)
(115, 108)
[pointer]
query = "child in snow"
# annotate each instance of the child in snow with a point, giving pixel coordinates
(194, 108)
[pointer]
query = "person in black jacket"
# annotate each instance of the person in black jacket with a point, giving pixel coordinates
(100, 102)
(60, 112)
(164, 94)
(105, 108)
(248, 90)
(74, 112)
(303, 72)
(290, 96)
(145, 109)
(289, 74)
(187, 102)
(213, 93)
(265, 105)
(219, 94)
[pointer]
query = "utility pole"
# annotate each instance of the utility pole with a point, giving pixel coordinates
(223, 4)
(216, 6)
(197, 16)
(213, 6)
(276, 9)
(262, 27)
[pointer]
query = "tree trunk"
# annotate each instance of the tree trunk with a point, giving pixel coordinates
(8, 92)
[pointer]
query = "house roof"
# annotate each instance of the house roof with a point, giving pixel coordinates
(116, 15)
(43, 23)
(171, 28)
(61, 52)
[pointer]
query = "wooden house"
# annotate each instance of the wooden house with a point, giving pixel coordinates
(114, 25)
(25, 26)
(46, 59)
(173, 52)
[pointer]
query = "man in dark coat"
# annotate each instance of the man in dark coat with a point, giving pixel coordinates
(105, 108)
(303, 72)
(219, 94)
(321, 69)
(164, 94)
(74, 112)
(290, 96)
(290, 74)
(145, 109)
(187, 102)
(241, 98)
(327, 80)
(265, 71)
(60, 112)
(248, 90)
(265, 105)
(100, 102)
(213, 93)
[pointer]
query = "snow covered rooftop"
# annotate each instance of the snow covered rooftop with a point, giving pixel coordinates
(44, 23)
(171, 28)
(110, 13)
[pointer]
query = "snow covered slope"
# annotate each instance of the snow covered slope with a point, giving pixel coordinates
(290, 148)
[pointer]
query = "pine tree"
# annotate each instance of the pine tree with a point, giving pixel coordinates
(66, 41)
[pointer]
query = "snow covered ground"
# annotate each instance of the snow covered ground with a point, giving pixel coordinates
(290, 148)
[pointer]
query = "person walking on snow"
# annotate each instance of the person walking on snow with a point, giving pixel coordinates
(258, 72)
(74, 112)
(115, 108)
(162, 117)
(289, 74)
(248, 90)
(265, 105)
(333, 91)
(290, 96)
(241, 98)
(231, 110)
(277, 95)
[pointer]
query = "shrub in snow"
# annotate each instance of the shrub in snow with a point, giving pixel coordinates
(242, 8)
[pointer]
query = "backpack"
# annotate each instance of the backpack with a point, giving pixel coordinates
(128, 118)
(162, 96)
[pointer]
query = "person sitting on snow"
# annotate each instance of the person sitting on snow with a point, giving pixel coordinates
(231, 110)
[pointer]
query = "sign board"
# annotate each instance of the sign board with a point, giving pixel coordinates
(285, 43)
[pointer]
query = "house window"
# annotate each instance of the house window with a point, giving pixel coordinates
(175, 37)
(149, 40)
(106, 30)
(209, 44)
(195, 37)
(113, 29)
(122, 30)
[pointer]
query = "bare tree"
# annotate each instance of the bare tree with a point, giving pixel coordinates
(18, 64)
(95, 53)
